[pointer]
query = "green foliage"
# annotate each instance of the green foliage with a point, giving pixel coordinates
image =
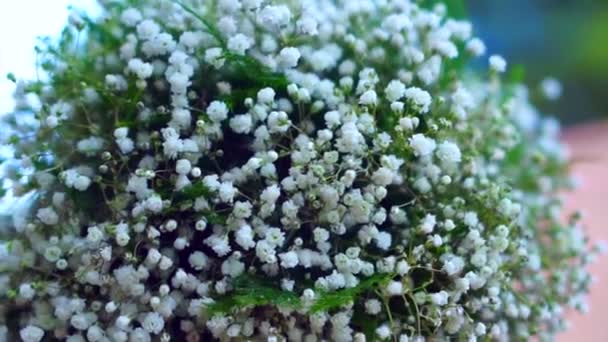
(246, 67)
(455, 8)
(333, 300)
(193, 191)
(208, 24)
(252, 70)
(11, 77)
(251, 291)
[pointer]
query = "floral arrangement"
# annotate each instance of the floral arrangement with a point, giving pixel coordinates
(284, 171)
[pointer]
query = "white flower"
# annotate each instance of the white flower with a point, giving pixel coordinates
(369, 98)
(383, 240)
(307, 25)
(453, 265)
(278, 122)
(266, 96)
(81, 183)
(448, 152)
(244, 237)
(125, 145)
(227, 192)
(275, 236)
(274, 17)
(31, 333)
(217, 111)
(422, 145)
(52, 253)
(288, 57)
(242, 123)
(94, 234)
(52, 121)
(153, 323)
(551, 88)
(198, 260)
(233, 267)
(190, 40)
(289, 259)
(373, 306)
(48, 216)
(90, 146)
(394, 288)
(130, 17)
(395, 23)
(147, 29)
(498, 64)
(121, 133)
(251, 4)
(476, 47)
(428, 224)
(82, 321)
(183, 166)
(201, 225)
(383, 332)
(440, 298)
(94, 333)
(419, 98)
(179, 82)
(26, 291)
(239, 43)
(154, 203)
(383, 176)
(395, 90)
(139, 334)
(242, 209)
(141, 69)
(332, 118)
(470, 219)
(229, 6)
(214, 56)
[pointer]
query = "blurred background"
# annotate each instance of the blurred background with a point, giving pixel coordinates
(565, 39)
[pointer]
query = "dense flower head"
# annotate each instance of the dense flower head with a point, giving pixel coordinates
(283, 170)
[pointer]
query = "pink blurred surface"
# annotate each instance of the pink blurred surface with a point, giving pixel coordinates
(589, 148)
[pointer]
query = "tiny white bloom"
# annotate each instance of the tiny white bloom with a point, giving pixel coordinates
(217, 111)
(422, 145)
(419, 98)
(498, 64)
(31, 333)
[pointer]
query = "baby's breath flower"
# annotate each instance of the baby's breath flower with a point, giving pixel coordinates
(261, 170)
(497, 63)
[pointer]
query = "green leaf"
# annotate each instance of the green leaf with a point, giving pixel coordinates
(255, 71)
(251, 291)
(333, 300)
(11, 77)
(517, 74)
(366, 324)
(246, 66)
(215, 218)
(194, 191)
(208, 25)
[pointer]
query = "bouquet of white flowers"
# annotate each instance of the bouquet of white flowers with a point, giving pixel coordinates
(310, 170)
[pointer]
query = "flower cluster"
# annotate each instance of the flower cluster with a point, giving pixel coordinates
(283, 171)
